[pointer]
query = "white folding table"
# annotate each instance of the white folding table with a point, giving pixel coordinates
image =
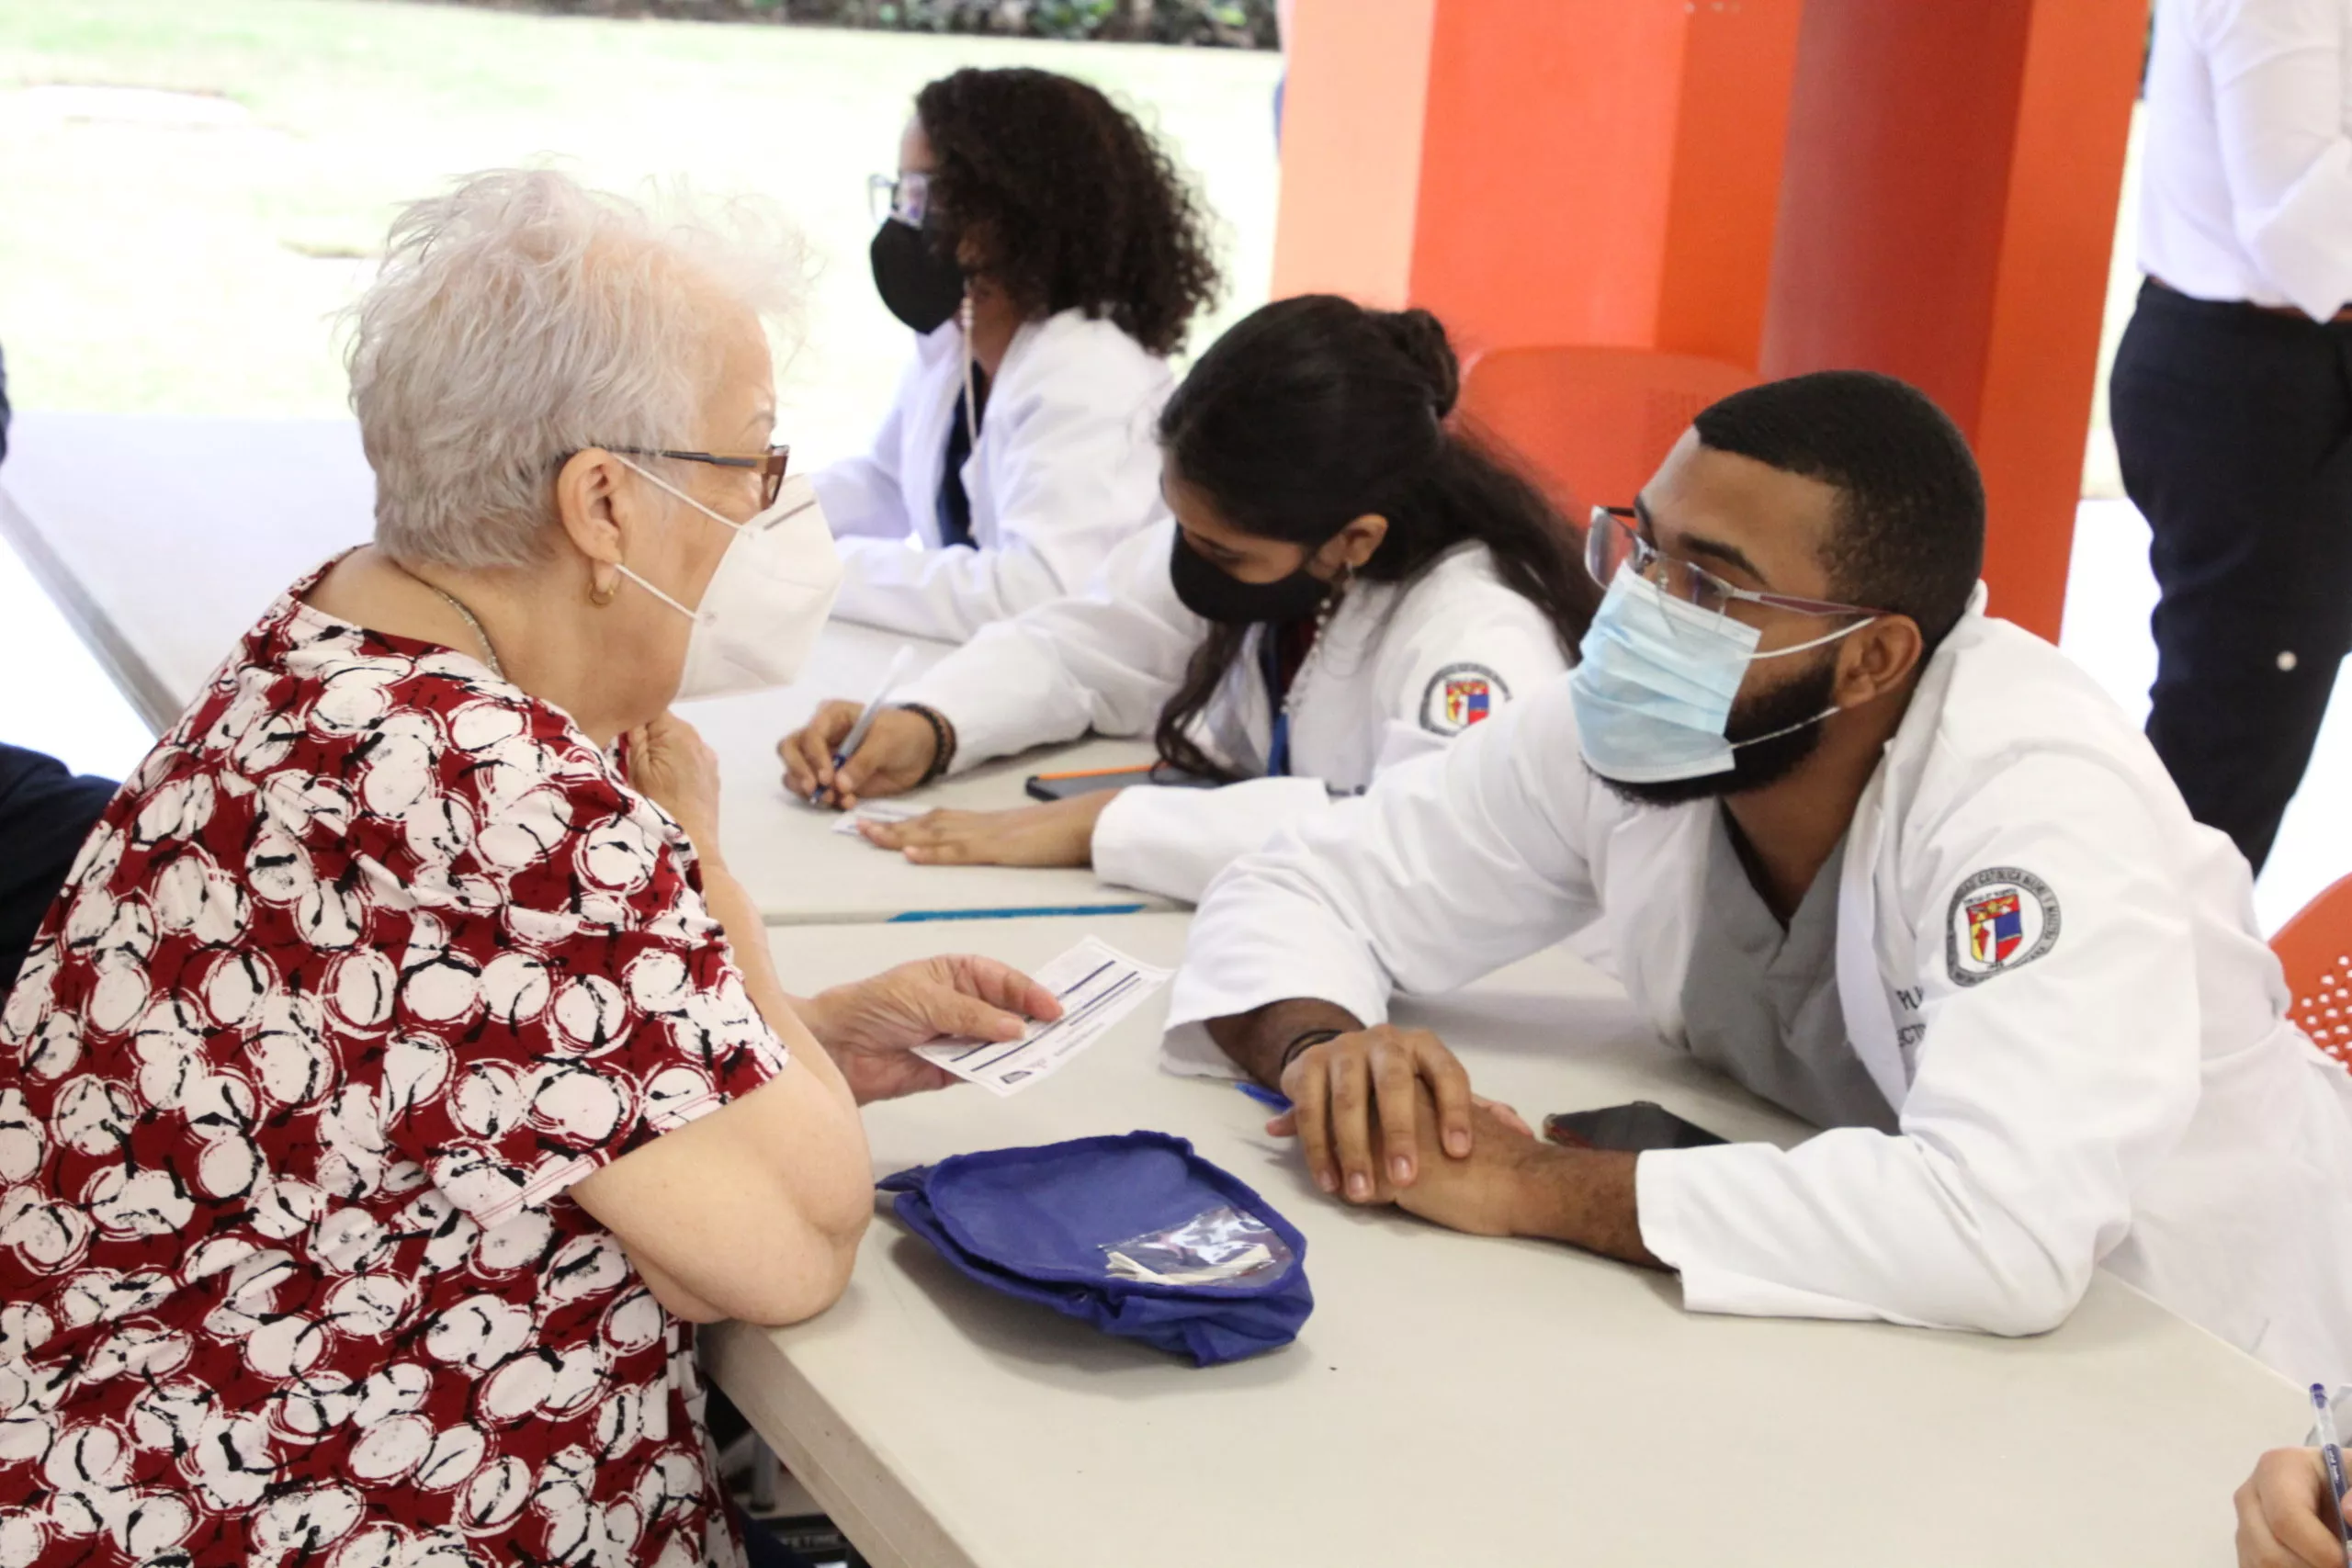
(1457, 1400)
(162, 538)
(800, 872)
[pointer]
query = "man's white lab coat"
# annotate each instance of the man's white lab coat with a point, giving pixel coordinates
(2049, 969)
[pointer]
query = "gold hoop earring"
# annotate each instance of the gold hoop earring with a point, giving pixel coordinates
(601, 594)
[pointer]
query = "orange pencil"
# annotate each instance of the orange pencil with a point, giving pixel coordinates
(1091, 773)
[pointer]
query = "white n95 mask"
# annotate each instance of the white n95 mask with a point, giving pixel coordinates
(767, 601)
(1655, 681)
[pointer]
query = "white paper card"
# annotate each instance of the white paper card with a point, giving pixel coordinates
(877, 811)
(1097, 985)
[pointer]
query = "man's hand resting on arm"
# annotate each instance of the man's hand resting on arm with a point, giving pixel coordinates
(1343, 1079)
(1515, 1184)
(1386, 1115)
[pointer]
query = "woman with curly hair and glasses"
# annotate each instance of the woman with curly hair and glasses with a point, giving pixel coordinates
(1049, 258)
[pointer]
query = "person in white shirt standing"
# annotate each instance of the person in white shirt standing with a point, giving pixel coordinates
(1049, 258)
(2232, 395)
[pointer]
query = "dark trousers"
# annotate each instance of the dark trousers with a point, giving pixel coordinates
(2234, 427)
(45, 813)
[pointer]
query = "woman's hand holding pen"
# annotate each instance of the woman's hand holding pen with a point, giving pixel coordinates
(897, 751)
(2285, 1519)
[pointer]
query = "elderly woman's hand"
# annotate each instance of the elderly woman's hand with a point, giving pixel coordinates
(871, 1027)
(2284, 1517)
(671, 766)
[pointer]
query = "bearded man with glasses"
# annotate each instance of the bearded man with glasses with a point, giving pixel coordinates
(1888, 862)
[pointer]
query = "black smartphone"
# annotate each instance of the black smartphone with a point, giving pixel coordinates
(1064, 787)
(1631, 1129)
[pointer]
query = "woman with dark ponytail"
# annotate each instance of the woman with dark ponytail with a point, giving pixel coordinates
(1349, 579)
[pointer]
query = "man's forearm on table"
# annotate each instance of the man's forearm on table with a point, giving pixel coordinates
(1584, 1197)
(1256, 1040)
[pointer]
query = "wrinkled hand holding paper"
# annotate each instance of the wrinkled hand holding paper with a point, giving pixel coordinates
(1097, 985)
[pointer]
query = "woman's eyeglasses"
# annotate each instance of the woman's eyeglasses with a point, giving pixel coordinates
(770, 467)
(905, 197)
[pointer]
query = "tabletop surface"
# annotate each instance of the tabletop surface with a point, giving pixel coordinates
(1453, 1399)
(800, 872)
(164, 538)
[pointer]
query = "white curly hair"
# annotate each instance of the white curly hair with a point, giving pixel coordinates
(522, 317)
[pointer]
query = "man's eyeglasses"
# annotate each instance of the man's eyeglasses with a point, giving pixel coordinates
(905, 197)
(770, 467)
(1613, 541)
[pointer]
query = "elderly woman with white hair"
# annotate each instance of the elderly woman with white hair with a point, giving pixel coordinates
(384, 1098)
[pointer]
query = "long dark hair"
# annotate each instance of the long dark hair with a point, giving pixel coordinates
(1314, 411)
(1074, 204)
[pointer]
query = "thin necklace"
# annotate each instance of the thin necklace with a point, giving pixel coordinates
(971, 397)
(1323, 614)
(468, 617)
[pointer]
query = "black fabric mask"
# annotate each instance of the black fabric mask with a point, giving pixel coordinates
(922, 287)
(1214, 594)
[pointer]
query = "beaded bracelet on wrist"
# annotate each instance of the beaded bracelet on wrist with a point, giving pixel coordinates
(942, 737)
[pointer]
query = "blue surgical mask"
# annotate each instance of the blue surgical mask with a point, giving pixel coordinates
(1654, 686)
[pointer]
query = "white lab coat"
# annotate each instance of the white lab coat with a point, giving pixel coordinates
(2133, 1096)
(1066, 465)
(1374, 692)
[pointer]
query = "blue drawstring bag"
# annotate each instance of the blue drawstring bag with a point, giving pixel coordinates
(1136, 1235)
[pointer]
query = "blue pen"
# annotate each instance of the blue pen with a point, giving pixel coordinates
(1271, 1099)
(2331, 1457)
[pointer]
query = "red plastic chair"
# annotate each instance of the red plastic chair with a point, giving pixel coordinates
(1592, 423)
(2315, 949)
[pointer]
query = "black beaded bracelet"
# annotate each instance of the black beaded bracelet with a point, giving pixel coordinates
(943, 737)
(1313, 1037)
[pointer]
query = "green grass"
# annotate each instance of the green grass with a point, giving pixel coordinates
(166, 268)
(159, 269)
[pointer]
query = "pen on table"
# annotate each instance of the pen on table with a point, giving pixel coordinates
(856, 736)
(1272, 1099)
(2331, 1458)
(1090, 773)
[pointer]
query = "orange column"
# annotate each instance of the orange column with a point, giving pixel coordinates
(1739, 59)
(1921, 186)
(1540, 171)
(1946, 216)
(1352, 112)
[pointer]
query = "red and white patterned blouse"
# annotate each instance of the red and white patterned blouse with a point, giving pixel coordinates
(372, 959)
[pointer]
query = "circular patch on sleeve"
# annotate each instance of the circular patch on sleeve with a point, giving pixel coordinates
(1459, 697)
(2002, 919)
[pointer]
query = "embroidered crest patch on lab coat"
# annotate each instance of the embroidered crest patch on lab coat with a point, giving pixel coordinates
(1459, 697)
(2002, 919)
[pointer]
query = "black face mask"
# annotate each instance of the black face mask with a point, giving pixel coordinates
(922, 287)
(1214, 594)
